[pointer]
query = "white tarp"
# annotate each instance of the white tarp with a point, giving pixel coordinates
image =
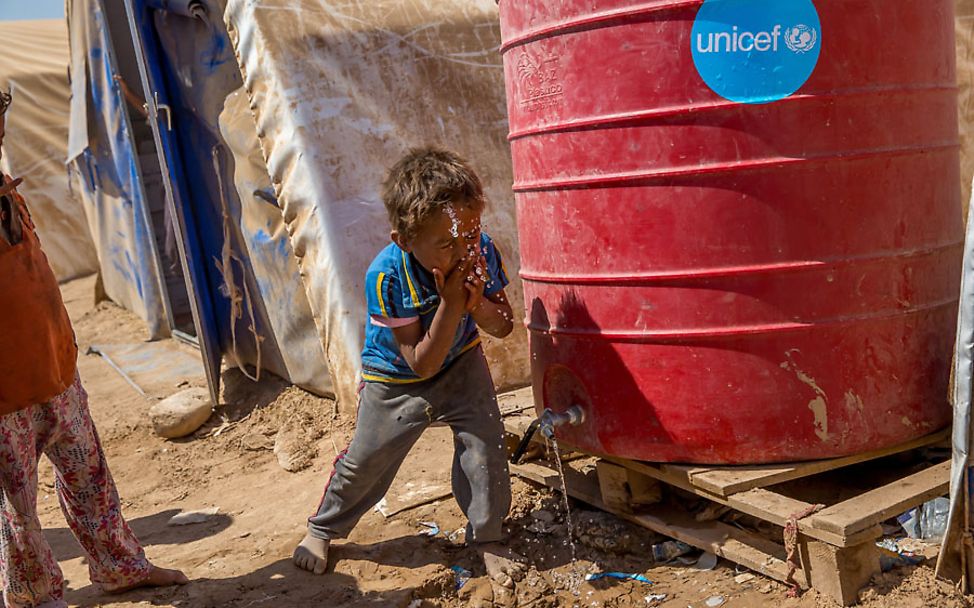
(340, 90)
(34, 67)
(274, 266)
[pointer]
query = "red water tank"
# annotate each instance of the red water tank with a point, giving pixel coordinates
(739, 221)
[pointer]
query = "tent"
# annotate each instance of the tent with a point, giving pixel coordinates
(34, 67)
(240, 208)
(339, 91)
(178, 243)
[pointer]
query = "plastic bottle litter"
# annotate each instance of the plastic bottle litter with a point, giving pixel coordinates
(933, 519)
(618, 575)
(461, 575)
(430, 528)
(928, 521)
(666, 551)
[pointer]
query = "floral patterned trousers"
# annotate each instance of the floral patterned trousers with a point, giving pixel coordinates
(63, 430)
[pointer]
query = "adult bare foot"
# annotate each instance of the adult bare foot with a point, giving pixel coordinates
(503, 566)
(158, 577)
(312, 554)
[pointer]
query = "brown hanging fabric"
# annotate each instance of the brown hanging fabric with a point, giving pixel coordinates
(38, 354)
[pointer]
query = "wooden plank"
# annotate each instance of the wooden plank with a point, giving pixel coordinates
(725, 481)
(623, 489)
(777, 508)
(516, 401)
(882, 503)
(612, 485)
(734, 544)
(739, 546)
(644, 489)
(518, 425)
(682, 471)
(514, 429)
(580, 486)
(763, 504)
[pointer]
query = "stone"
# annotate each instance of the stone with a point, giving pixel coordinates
(182, 413)
(186, 518)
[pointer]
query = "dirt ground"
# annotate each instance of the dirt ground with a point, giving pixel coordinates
(240, 556)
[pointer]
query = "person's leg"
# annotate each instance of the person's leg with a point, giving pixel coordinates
(390, 421)
(90, 502)
(481, 479)
(29, 572)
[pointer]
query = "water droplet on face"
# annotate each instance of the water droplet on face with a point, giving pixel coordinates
(454, 220)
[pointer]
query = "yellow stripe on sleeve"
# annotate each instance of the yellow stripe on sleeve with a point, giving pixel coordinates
(378, 292)
(409, 281)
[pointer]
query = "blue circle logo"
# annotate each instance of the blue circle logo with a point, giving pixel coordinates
(756, 51)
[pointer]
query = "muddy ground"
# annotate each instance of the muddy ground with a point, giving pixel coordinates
(239, 557)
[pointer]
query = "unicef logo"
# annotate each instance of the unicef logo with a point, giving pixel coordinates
(801, 38)
(756, 51)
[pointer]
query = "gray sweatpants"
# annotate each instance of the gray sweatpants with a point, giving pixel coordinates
(391, 418)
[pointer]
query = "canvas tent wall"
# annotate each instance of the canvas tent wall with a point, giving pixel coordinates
(240, 252)
(166, 177)
(339, 92)
(34, 67)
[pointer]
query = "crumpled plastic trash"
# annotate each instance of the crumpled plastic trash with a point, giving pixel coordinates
(594, 576)
(431, 529)
(461, 576)
(893, 556)
(928, 521)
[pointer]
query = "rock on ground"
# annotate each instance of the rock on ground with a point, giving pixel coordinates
(180, 414)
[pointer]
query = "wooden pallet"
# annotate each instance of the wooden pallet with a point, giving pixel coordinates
(836, 545)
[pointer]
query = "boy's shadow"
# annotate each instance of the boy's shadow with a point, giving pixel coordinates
(283, 584)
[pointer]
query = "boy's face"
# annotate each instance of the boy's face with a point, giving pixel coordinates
(446, 237)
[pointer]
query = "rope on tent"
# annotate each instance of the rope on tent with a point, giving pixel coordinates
(237, 299)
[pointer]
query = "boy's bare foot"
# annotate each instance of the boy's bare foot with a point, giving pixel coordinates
(312, 554)
(158, 577)
(504, 567)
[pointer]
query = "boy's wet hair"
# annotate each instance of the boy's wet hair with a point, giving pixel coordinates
(425, 180)
(5, 99)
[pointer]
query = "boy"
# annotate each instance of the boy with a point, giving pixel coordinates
(427, 292)
(44, 408)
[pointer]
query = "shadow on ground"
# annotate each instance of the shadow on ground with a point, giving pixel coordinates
(423, 562)
(151, 530)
